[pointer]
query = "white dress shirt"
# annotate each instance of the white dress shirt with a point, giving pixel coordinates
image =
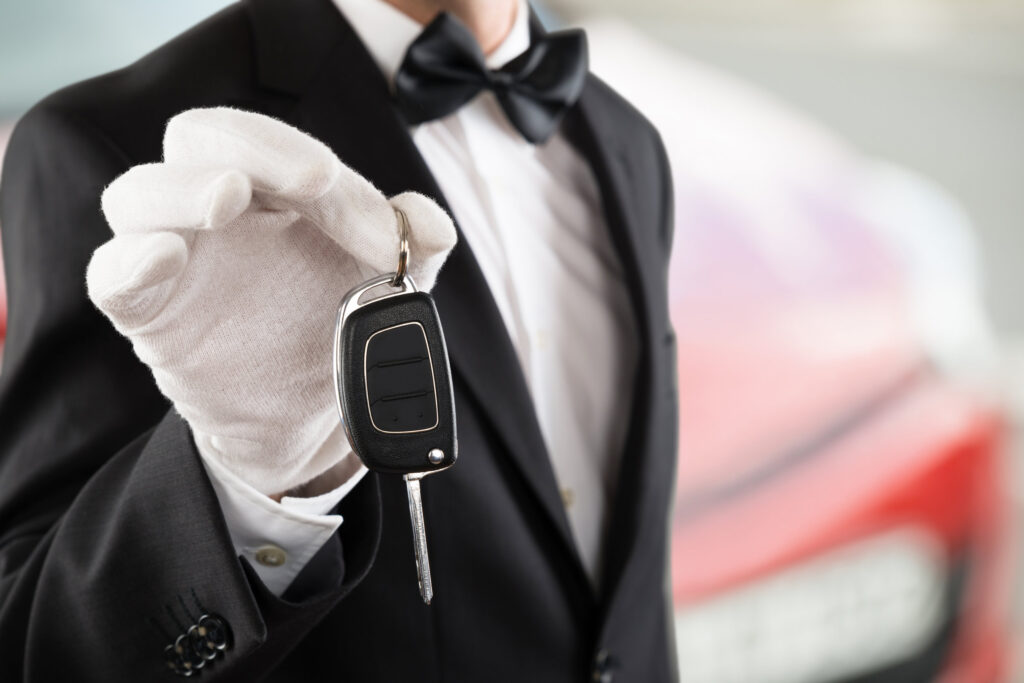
(532, 217)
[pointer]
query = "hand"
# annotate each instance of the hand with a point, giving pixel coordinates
(225, 271)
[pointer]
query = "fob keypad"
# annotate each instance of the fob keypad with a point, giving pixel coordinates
(399, 380)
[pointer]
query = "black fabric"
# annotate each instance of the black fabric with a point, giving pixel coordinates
(109, 529)
(444, 68)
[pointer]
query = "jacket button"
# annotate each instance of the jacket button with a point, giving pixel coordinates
(604, 665)
(191, 660)
(176, 663)
(201, 644)
(215, 632)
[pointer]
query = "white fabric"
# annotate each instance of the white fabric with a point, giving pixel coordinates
(225, 271)
(533, 217)
(296, 525)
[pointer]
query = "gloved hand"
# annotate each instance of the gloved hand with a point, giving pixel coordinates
(225, 271)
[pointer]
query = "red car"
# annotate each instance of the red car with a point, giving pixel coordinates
(841, 512)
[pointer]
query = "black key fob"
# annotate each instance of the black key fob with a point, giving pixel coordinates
(392, 379)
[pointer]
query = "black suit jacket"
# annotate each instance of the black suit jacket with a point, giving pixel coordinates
(111, 538)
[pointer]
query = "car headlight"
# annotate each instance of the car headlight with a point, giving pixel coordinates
(857, 609)
(936, 247)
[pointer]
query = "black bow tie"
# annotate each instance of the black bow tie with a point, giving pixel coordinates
(444, 68)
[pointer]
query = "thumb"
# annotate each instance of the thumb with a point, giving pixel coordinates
(132, 277)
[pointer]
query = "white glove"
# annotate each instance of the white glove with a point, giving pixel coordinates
(225, 271)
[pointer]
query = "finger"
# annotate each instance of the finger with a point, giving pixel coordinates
(432, 236)
(370, 232)
(363, 224)
(132, 277)
(279, 159)
(155, 197)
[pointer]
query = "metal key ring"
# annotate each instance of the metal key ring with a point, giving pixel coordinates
(403, 248)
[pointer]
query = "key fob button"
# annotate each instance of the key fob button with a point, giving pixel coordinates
(399, 380)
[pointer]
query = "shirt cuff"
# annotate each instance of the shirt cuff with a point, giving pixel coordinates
(278, 539)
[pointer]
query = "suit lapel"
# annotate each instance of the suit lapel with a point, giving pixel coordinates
(343, 100)
(593, 131)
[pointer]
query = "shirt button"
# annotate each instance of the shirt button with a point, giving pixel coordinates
(604, 665)
(271, 556)
(568, 497)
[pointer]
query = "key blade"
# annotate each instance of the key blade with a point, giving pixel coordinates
(419, 535)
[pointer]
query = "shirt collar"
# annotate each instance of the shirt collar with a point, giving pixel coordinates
(387, 33)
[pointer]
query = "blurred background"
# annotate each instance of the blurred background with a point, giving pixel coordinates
(845, 286)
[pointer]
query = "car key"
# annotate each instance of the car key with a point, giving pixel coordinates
(394, 389)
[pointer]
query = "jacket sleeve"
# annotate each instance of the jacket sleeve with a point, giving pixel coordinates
(112, 543)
